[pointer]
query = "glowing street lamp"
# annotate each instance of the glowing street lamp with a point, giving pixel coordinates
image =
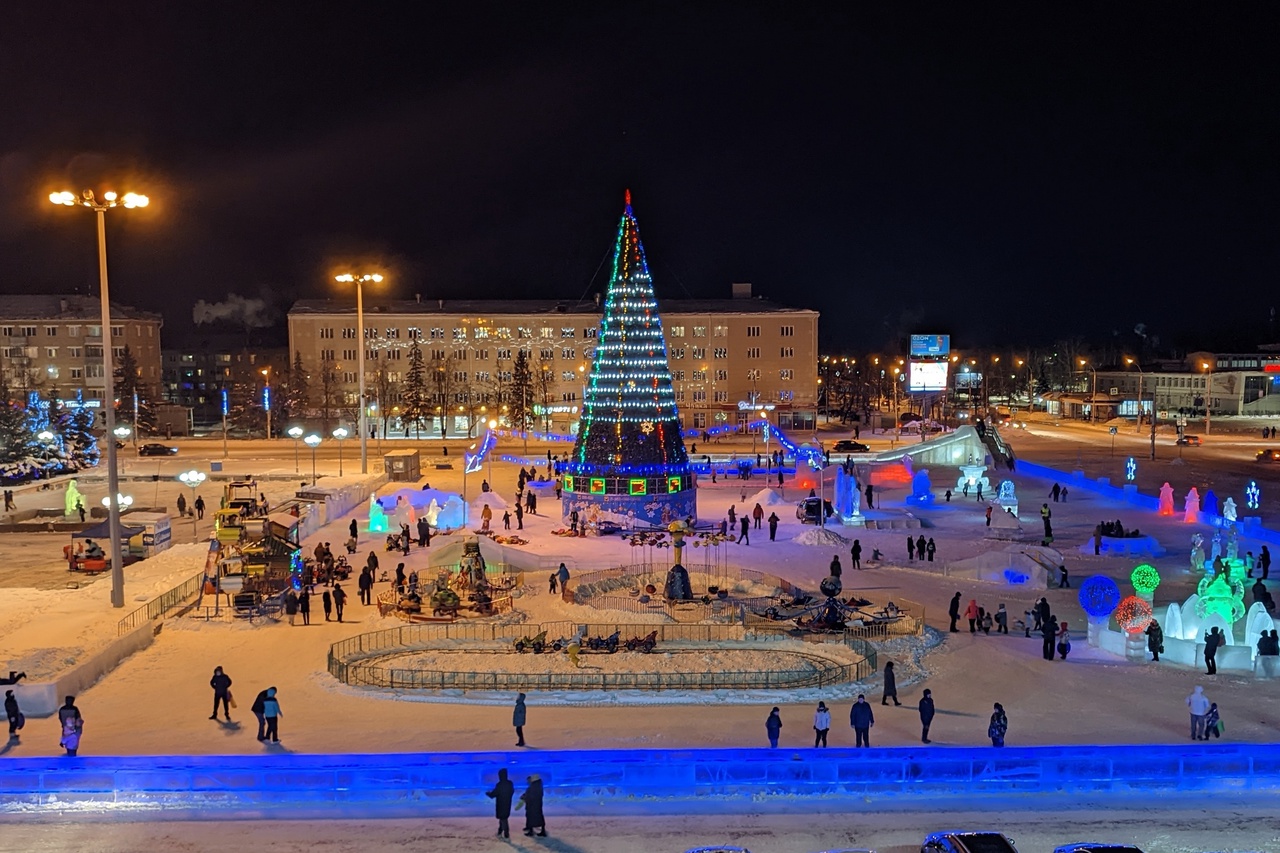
(266, 396)
(493, 424)
(122, 501)
(1208, 393)
(193, 479)
(340, 433)
(100, 207)
(313, 441)
(295, 432)
(122, 435)
(359, 281)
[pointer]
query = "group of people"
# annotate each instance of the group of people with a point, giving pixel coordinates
(1040, 619)
(919, 547)
(298, 603)
(862, 718)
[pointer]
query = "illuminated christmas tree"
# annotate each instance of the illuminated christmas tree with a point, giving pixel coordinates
(630, 458)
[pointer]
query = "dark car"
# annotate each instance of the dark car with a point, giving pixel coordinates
(156, 450)
(850, 446)
(1095, 847)
(1271, 454)
(956, 841)
(1189, 440)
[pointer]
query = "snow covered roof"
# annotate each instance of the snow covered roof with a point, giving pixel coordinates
(550, 307)
(69, 307)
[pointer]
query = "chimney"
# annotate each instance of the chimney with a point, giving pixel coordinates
(440, 304)
(597, 298)
(742, 290)
(418, 296)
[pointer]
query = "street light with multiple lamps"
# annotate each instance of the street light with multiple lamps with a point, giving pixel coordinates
(295, 432)
(313, 441)
(359, 281)
(122, 435)
(100, 207)
(193, 479)
(340, 433)
(1208, 395)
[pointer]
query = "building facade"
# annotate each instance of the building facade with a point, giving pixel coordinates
(196, 373)
(727, 357)
(54, 345)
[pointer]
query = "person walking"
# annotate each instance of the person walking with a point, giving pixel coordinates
(16, 719)
(327, 600)
(861, 718)
(1064, 641)
(304, 606)
(424, 531)
(486, 516)
(1002, 620)
(339, 600)
(221, 684)
(926, 715)
(821, 725)
(971, 613)
(745, 538)
(988, 515)
(531, 801)
(199, 505)
(870, 491)
(562, 574)
(1063, 582)
(911, 549)
(1045, 515)
(1048, 634)
(954, 612)
(1212, 722)
(291, 605)
(1055, 491)
(1198, 704)
(182, 506)
(930, 548)
(890, 685)
(518, 717)
(406, 536)
(1155, 639)
(365, 587)
(773, 728)
(773, 526)
(733, 515)
(757, 514)
(401, 578)
(855, 555)
(354, 530)
(502, 794)
(835, 566)
(372, 562)
(1212, 640)
(519, 516)
(552, 581)
(72, 726)
(271, 711)
(998, 726)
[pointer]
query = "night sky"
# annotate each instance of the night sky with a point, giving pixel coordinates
(1017, 172)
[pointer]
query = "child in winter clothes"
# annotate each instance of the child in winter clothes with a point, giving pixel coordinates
(1064, 641)
(986, 623)
(1212, 723)
(773, 727)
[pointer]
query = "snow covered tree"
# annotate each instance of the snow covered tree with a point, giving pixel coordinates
(413, 399)
(520, 393)
(296, 392)
(75, 426)
(128, 383)
(19, 453)
(244, 409)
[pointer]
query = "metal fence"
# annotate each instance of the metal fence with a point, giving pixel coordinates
(160, 605)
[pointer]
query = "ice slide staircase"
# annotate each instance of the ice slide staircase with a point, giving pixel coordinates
(959, 447)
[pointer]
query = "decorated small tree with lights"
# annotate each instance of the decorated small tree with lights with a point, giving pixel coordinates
(630, 459)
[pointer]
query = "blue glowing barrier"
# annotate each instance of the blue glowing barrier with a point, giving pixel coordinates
(1099, 596)
(812, 456)
(1014, 576)
(649, 781)
(475, 461)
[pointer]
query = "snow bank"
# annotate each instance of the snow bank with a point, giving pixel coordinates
(493, 499)
(767, 497)
(823, 537)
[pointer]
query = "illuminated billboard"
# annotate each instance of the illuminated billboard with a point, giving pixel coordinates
(935, 345)
(927, 375)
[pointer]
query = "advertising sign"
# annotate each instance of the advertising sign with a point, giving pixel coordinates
(935, 345)
(927, 375)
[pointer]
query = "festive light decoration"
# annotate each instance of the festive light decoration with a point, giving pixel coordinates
(1218, 594)
(475, 461)
(630, 445)
(1145, 579)
(1133, 615)
(1099, 596)
(1252, 495)
(1131, 469)
(811, 455)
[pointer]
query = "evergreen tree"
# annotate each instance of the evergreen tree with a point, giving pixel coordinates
(330, 404)
(521, 393)
(19, 453)
(75, 426)
(442, 383)
(296, 392)
(129, 382)
(244, 409)
(413, 401)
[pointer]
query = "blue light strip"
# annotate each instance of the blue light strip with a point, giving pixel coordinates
(475, 461)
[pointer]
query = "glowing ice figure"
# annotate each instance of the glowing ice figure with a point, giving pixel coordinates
(1131, 469)
(1252, 497)
(72, 498)
(1217, 595)
(1197, 553)
(1172, 623)
(1166, 499)
(1215, 547)
(377, 516)
(1210, 503)
(1229, 507)
(1233, 544)
(1191, 506)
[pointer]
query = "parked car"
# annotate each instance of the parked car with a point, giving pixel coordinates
(1271, 454)
(156, 450)
(958, 841)
(1095, 847)
(850, 446)
(1189, 440)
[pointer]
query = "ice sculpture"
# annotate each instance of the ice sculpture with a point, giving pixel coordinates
(1229, 510)
(1191, 506)
(1166, 499)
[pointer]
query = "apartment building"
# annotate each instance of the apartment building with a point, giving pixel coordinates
(197, 372)
(54, 345)
(729, 358)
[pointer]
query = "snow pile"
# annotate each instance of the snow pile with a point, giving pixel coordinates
(493, 499)
(767, 497)
(823, 537)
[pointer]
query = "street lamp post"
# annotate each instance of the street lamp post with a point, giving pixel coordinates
(493, 424)
(193, 479)
(313, 441)
(122, 435)
(340, 433)
(101, 206)
(266, 396)
(1141, 377)
(1208, 395)
(359, 281)
(1093, 395)
(295, 432)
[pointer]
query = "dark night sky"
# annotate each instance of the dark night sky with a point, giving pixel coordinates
(1018, 172)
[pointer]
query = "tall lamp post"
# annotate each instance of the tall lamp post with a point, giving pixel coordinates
(313, 441)
(122, 435)
(340, 433)
(1141, 376)
(1208, 395)
(359, 281)
(295, 432)
(266, 396)
(1093, 395)
(193, 479)
(100, 207)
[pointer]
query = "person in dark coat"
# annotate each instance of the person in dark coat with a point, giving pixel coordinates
(1049, 634)
(773, 526)
(954, 612)
(890, 685)
(930, 549)
(258, 708)
(11, 711)
(1043, 609)
(870, 502)
(861, 718)
(835, 566)
(999, 725)
(327, 600)
(1212, 640)
(339, 600)
(926, 715)
(400, 578)
(304, 606)
(745, 538)
(920, 546)
(221, 684)
(517, 719)
(531, 799)
(1155, 639)
(855, 555)
(911, 548)
(773, 727)
(502, 794)
(365, 585)
(72, 725)
(423, 531)
(355, 530)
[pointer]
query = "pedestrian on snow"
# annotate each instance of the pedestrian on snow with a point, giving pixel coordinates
(1064, 494)
(890, 685)
(870, 502)
(291, 605)
(1002, 620)
(339, 600)
(1264, 562)
(954, 612)
(400, 578)
(930, 548)
(519, 516)
(16, 719)
(920, 546)
(502, 794)
(327, 600)
(1155, 639)
(861, 718)
(72, 726)
(199, 505)
(221, 684)
(1199, 705)
(988, 515)
(259, 703)
(424, 531)
(773, 526)
(998, 726)
(911, 548)
(965, 491)
(821, 725)
(486, 515)
(531, 801)
(971, 613)
(745, 538)
(1212, 640)
(979, 490)
(506, 520)
(1057, 490)
(1064, 641)
(271, 710)
(552, 581)
(562, 574)
(947, 495)
(855, 555)
(733, 515)
(773, 728)
(182, 506)
(1049, 633)
(365, 586)
(1062, 578)
(354, 530)
(1043, 611)
(835, 566)
(372, 563)
(1212, 723)
(757, 514)
(517, 719)
(1045, 515)
(406, 537)
(80, 509)
(304, 606)
(987, 621)
(926, 714)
